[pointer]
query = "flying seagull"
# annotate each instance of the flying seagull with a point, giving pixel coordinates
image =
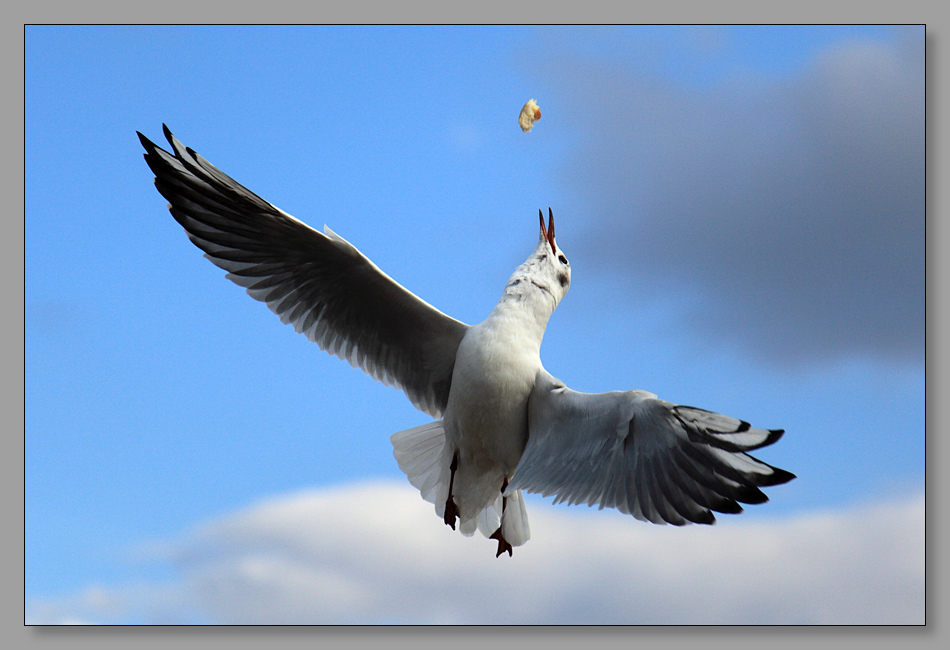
(503, 424)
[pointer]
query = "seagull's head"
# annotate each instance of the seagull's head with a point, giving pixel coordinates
(546, 274)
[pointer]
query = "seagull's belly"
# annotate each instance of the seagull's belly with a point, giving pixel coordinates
(487, 412)
(491, 430)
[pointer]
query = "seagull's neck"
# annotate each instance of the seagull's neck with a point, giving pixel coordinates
(525, 306)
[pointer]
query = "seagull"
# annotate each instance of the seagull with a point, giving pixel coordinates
(503, 425)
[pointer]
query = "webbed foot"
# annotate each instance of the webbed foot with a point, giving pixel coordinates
(451, 510)
(503, 544)
(451, 513)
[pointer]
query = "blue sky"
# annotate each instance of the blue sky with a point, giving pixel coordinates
(743, 211)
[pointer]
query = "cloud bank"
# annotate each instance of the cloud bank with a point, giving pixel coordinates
(376, 553)
(788, 211)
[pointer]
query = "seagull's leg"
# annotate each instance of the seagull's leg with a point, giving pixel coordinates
(503, 544)
(452, 510)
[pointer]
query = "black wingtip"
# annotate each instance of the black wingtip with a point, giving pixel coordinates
(148, 144)
(706, 518)
(167, 132)
(781, 476)
(727, 507)
(772, 438)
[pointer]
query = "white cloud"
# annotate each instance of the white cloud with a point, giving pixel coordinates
(376, 553)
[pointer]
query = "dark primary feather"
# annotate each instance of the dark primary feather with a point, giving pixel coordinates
(321, 284)
(629, 450)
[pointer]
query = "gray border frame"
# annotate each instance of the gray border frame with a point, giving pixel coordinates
(910, 11)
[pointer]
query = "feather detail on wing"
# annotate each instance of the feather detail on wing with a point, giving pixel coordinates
(654, 460)
(317, 282)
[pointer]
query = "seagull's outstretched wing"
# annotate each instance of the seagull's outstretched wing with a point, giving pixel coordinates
(318, 282)
(629, 450)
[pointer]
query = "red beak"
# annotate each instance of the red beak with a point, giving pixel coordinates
(549, 232)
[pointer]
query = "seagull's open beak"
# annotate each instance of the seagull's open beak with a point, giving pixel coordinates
(549, 232)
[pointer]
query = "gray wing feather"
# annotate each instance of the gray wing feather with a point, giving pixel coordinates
(649, 458)
(317, 282)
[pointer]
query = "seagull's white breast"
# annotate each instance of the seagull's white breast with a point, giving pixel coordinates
(495, 370)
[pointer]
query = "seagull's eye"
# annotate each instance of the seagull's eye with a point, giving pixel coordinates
(562, 259)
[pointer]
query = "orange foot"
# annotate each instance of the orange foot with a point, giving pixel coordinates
(503, 544)
(451, 512)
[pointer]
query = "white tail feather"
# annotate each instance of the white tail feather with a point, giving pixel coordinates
(421, 455)
(488, 519)
(418, 452)
(515, 528)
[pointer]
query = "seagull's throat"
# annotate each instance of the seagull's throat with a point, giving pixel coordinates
(526, 306)
(546, 290)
